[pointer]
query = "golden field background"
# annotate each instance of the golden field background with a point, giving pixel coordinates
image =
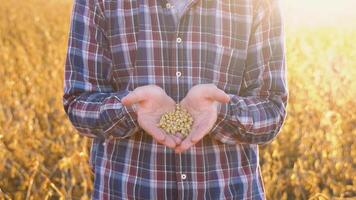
(43, 157)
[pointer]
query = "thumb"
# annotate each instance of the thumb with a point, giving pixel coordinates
(131, 98)
(220, 96)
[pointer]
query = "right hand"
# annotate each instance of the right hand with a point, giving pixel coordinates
(150, 103)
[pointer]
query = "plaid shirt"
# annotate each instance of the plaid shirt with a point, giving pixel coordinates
(116, 46)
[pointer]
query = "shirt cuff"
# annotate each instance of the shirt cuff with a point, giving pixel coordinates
(217, 132)
(228, 124)
(130, 113)
(127, 124)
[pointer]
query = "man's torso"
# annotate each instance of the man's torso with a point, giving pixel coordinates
(209, 45)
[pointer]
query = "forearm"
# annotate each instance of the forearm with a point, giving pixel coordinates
(257, 111)
(251, 119)
(91, 102)
(99, 114)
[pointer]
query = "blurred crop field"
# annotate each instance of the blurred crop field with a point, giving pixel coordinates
(43, 157)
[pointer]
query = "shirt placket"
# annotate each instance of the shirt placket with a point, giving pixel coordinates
(178, 50)
(177, 44)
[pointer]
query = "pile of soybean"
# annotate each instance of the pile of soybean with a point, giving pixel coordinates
(177, 121)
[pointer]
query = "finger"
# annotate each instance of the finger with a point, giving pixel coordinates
(170, 142)
(184, 145)
(156, 133)
(219, 95)
(179, 135)
(177, 139)
(160, 136)
(131, 98)
(195, 136)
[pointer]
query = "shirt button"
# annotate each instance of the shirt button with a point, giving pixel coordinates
(183, 176)
(179, 40)
(168, 5)
(178, 74)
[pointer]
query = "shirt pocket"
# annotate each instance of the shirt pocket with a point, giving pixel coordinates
(223, 66)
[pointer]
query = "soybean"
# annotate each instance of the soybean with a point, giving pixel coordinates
(177, 121)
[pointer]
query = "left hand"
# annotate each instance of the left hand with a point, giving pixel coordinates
(202, 102)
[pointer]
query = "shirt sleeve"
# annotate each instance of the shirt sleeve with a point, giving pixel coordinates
(90, 100)
(256, 115)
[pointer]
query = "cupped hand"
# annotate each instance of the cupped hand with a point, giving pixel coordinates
(150, 103)
(202, 102)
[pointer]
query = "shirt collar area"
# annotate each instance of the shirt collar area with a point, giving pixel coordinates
(190, 3)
